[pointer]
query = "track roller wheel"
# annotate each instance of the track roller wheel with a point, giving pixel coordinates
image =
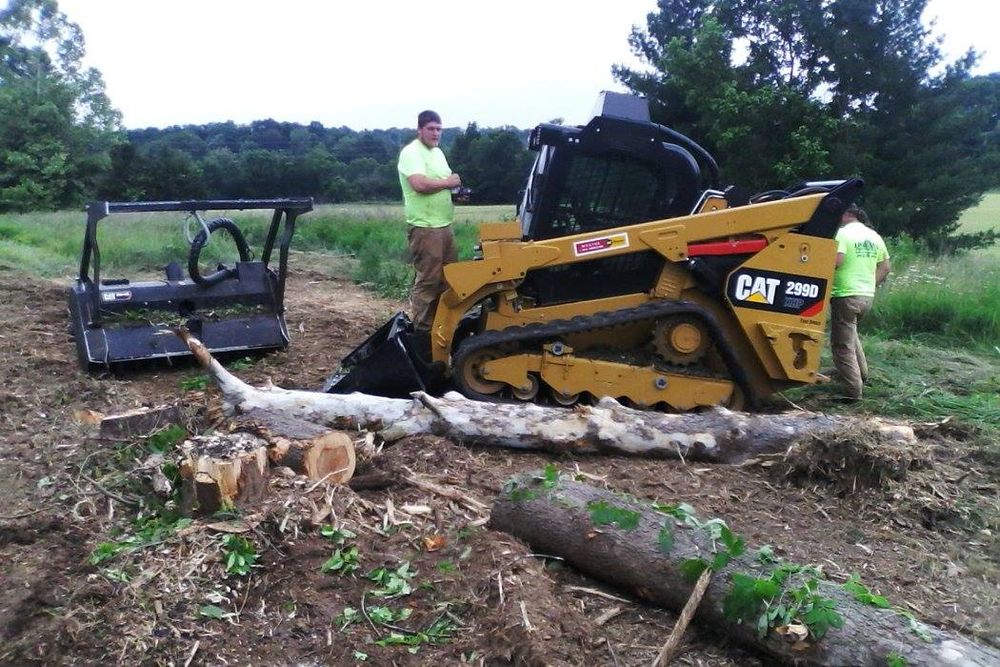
(472, 372)
(565, 399)
(681, 339)
(528, 392)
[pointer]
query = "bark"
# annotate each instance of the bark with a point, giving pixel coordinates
(716, 435)
(558, 521)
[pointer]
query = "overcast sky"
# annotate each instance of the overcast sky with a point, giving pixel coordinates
(371, 64)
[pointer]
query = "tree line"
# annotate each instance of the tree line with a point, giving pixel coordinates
(272, 159)
(779, 92)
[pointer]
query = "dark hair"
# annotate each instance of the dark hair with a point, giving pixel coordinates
(428, 116)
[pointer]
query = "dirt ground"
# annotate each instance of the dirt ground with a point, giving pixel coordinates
(928, 542)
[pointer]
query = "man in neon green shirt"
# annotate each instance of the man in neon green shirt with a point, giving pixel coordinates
(426, 180)
(862, 265)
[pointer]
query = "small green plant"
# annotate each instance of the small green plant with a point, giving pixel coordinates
(383, 615)
(520, 494)
(861, 593)
(393, 583)
(603, 514)
(894, 659)
(194, 384)
(213, 611)
(166, 439)
(466, 532)
(241, 364)
(346, 617)
(550, 476)
(239, 554)
(116, 575)
(916, 627)
(683, 512)
(338, 536)
(665, 539)
(342, 562)
(439, 632)
(147, 530)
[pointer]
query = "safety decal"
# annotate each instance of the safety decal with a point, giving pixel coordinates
(602, 244)
(119, 295)
(778, 292)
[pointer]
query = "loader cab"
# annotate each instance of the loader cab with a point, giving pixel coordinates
(612, 172)
(618, 170)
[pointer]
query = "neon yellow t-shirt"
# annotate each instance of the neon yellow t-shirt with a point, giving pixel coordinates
(422, 210)
(863, 249)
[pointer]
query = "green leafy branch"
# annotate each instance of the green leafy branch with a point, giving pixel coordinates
(718, 532)
(774, 601)
(239, 554)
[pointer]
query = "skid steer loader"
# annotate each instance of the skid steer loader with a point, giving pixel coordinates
(628, 274)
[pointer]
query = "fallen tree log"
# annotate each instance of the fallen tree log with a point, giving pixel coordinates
(717, 435)
(651, 553)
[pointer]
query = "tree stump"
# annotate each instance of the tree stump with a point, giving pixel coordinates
(222, 471)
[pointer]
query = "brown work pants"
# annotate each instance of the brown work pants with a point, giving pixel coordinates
(430, 249)
(848, 355)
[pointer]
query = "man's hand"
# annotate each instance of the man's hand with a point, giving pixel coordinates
(428, 186)
(882, 271)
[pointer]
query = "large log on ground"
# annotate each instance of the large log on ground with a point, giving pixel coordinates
(622, 542)
(716, 435)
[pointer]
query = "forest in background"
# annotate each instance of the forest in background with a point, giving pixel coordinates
(779, 92)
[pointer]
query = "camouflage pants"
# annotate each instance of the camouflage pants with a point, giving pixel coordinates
(430, 249)
(848, 355)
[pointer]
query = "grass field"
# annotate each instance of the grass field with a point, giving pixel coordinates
(983, 217)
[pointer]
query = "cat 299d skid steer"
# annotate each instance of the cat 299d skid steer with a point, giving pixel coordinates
(628, 274)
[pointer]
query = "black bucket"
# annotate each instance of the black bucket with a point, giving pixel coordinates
(393, 362)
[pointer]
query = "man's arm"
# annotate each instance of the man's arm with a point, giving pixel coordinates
(428, 186)
(840, 259)
(882, 271)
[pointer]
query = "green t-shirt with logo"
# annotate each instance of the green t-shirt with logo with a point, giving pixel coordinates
(422, 210)
(863, 249)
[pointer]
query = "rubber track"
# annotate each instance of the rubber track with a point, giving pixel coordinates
(545, 332)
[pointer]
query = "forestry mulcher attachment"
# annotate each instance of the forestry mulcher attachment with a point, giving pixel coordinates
(118, 321)
(629, 274)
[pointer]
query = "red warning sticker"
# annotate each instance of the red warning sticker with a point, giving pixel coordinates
(601, 244)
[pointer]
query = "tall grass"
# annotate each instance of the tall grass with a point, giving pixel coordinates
(132, 244)
(952, 302)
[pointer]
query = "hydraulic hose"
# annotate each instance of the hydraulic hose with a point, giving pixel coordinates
(199, 241)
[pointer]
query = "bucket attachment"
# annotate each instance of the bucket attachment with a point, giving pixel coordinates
(392, 362)
(234, 309)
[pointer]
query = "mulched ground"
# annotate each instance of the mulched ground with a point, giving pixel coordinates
(927, 540)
